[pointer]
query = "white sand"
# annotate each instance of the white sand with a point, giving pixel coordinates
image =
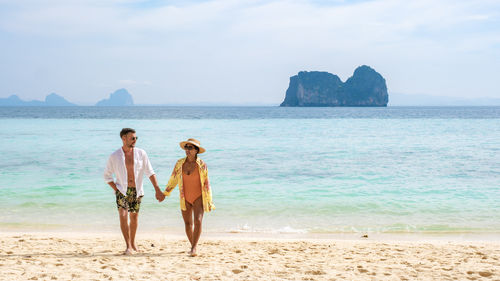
(84, 256)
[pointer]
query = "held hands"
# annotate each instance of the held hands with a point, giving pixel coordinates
(159, 195)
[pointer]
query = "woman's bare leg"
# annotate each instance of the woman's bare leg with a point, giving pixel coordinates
(198, 218)
(187, 215)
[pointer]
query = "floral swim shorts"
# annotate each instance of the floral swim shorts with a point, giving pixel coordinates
(129, 202)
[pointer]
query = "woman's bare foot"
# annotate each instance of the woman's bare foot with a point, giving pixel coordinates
(127, 252)
(193, 252)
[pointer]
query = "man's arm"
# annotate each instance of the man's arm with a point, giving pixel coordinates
(152, 177)
(108, 174)
(159, 195)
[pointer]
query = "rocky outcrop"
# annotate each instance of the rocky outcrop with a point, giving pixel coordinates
(120, 97)
(365, 88)
(13, 100)
(56, 100)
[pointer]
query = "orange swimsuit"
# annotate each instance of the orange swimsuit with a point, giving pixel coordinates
(192, 186)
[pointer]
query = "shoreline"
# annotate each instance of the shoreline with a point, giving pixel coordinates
(493, 237)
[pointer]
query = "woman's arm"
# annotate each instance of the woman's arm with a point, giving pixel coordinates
(208, 188)
(172, 182)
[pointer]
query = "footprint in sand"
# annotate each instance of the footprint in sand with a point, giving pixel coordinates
(485, 273)
(361, 269)
(237, 271)
(274, 251)
(315, 272)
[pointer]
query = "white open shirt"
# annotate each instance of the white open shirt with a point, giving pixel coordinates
(116, 166)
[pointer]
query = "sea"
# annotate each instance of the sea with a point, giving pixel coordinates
(273, 170)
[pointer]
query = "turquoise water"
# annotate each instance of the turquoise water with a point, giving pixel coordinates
(285, 174)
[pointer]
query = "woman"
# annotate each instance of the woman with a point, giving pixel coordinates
(191, 174)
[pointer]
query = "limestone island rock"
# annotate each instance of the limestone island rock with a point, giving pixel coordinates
(366, 87)
(56, 100)
(120, 97)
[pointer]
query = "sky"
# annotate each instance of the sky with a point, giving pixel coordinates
(243, 52)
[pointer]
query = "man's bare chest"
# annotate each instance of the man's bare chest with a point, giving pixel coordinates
(129, 160)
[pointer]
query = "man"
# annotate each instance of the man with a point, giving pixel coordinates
(129, 165)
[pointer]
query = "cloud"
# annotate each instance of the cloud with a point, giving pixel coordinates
(192, 47)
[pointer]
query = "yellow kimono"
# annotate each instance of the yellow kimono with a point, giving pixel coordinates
(176, 179)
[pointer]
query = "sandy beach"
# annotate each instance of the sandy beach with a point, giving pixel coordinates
(84, 256)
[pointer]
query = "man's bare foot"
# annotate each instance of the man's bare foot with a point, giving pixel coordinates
(127, 252)
(193, 252)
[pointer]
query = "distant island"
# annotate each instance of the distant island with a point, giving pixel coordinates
(50, 100)
(315, 88)
(306, 89)
(120, 97)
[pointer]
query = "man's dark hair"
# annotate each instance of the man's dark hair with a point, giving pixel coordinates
(126, 131)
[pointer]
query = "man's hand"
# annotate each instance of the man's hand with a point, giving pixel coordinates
(113, 186)
(160, 196)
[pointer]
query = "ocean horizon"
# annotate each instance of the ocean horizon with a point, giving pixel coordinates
(272, 169)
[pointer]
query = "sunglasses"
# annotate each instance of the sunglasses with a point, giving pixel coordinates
(134, 138)
(189, 147)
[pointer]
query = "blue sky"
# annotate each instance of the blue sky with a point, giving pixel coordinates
(243, 52)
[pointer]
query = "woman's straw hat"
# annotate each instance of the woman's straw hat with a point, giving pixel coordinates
(193, 142)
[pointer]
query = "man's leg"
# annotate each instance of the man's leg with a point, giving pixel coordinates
(187, 215)
(134, 204)
(123, 213)
(198, 218)
(134, 217)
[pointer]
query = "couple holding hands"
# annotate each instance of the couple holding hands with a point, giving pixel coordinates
(129, 165)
